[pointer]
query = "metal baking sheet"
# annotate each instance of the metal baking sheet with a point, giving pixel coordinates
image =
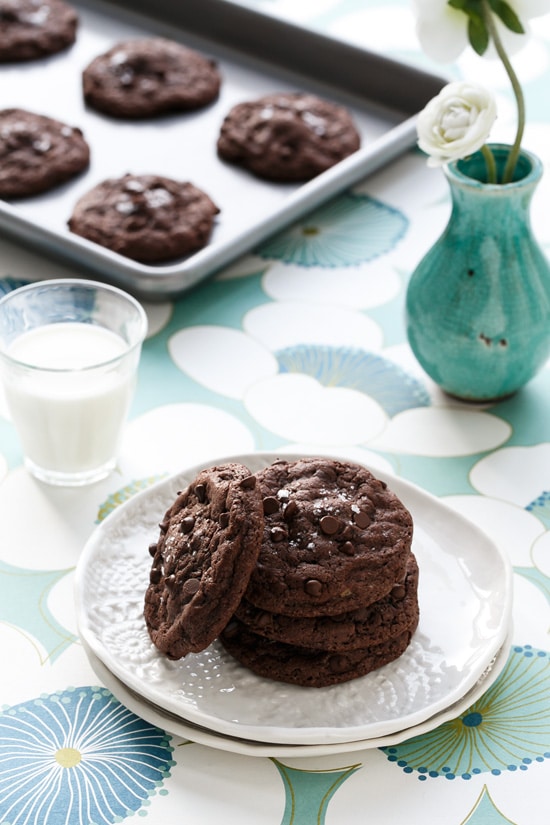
(256, 54)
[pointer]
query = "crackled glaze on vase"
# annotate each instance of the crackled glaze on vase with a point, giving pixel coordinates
(478, 304)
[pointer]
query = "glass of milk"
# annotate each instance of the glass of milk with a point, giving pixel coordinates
(69, 352)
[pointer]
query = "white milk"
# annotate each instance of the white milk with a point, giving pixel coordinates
(69, 417)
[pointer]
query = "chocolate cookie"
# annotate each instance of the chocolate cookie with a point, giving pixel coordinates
(373, 625)
(335, 538)
(37, 153)
(209, 543)
(148, 218)
(30, 29)
(287, 136)
(149, 76)
(306, 667)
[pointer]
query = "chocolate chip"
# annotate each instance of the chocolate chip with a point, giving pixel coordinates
(187, 524)
(329, 525)
(155, 575)
(248, 483)
(164, 525)
(277, 534)
(338, 663)
(397, 593)
(190, 587)
(290, 510)
(153, 548)
(313, 587)
(361, 519)
(271, 505)
(367, 614)
(264, 620)
(224, 520)
(348, 548)
(326, 473)
(200, 492)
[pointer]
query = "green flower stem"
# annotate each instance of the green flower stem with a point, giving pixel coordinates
(516, 87)
(490, 164)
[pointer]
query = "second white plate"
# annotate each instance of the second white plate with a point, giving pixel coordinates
(465, 603)
(202, 736)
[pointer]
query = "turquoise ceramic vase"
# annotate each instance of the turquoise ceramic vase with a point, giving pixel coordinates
(478, 304)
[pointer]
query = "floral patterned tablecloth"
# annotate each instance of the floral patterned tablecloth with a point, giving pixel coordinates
(299, 345)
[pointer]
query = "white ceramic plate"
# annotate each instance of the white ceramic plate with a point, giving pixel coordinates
(465, 602)
(180, 727)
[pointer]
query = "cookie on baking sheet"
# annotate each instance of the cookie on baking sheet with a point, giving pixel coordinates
(373, 625)
(287, 136)
(30, 29)
(149, 218)
(304, 666)
(335, 538)
(38, 153)
(209, 542)
(149, 76)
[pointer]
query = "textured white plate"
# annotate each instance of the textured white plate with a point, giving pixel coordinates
(465, 602)
(180, 727)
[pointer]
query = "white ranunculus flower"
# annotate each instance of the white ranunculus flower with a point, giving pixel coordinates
(443, 30)
(456, 123)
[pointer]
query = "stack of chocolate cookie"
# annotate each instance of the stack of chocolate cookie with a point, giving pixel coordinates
(326, 586)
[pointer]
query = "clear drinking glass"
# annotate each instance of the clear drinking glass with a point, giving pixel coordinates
(69, 353)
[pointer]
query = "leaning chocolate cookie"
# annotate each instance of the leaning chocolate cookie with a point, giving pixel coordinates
(209, 542)
(149, 76)
(306, 667)
(335, 538)
(287, 136)
(148, 218)
(30, 29)
(367, 626)
(38, 153)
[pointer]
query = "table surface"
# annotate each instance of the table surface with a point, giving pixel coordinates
(299, 345)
